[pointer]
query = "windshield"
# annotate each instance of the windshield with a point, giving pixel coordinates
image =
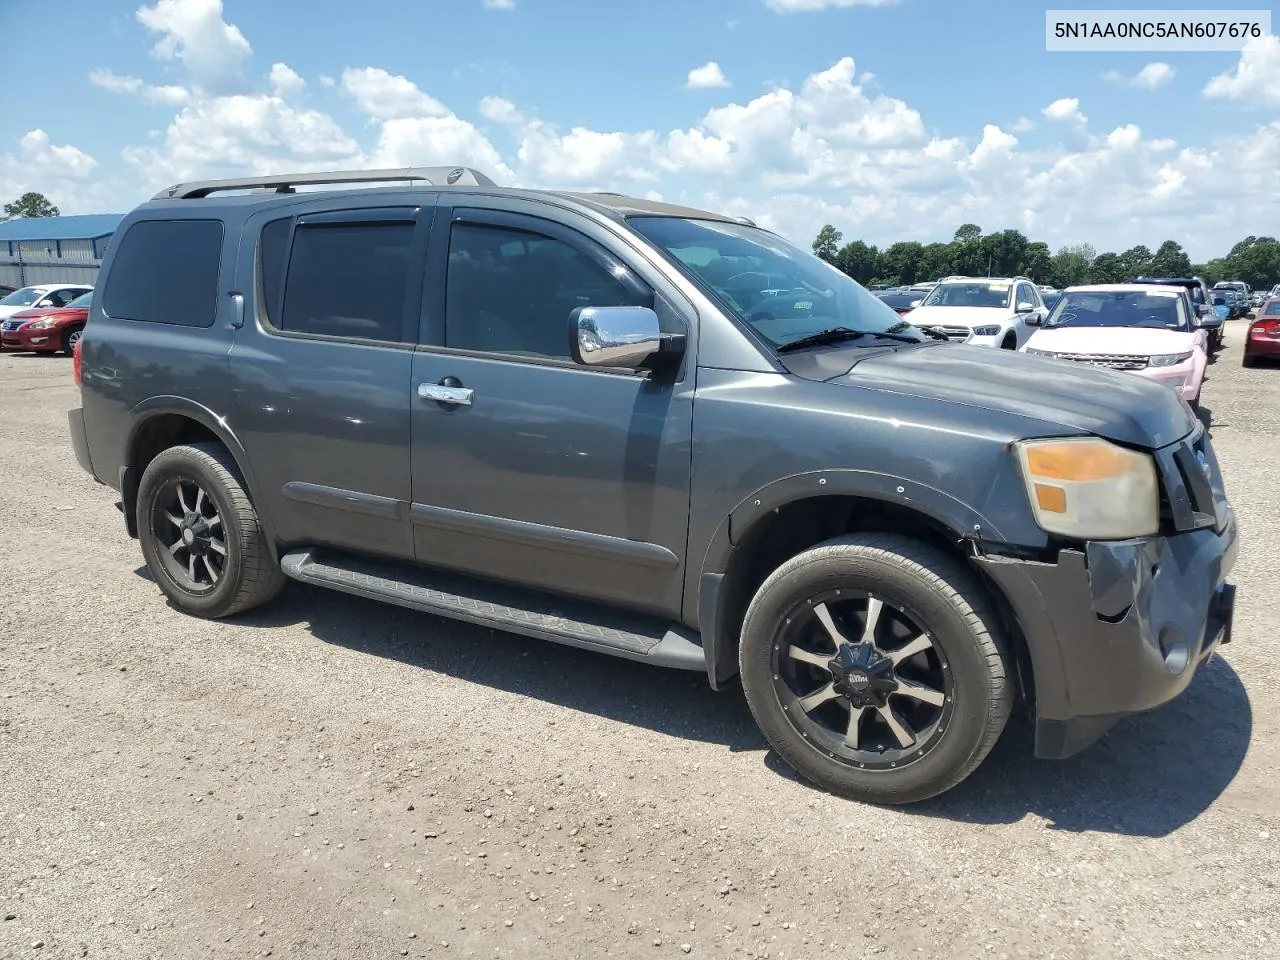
(22, 298)
(1159, 309)
(968, 294)
(784, 293)
(82, 302)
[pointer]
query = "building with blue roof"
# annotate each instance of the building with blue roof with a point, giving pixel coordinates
(54, 249)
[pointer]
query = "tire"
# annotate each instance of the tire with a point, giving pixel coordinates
(924, 590)
(69, 339)
(244, 574)
(1009, 343)
(1249, 362)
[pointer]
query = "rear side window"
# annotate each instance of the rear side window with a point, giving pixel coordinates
(1273, 309)
(166, 271)
(344, 280)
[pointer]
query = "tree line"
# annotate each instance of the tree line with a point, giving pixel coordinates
(1007, 253)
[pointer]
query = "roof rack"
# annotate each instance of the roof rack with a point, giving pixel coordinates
(286, 182)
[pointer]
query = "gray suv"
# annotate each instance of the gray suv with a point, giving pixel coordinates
(658, 433)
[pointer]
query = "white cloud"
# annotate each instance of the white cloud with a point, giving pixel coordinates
(806, 6)
(285, 82)
(1151, 77)
(1066, 109)
(194, 33)
(166, 94)
(1023, 124)
(499, 4)
(437, 141)
(1256, 77)
(385, 96)
(238, 134)
(327, 81)
(65, 161)
(707, 76)
(500, 111)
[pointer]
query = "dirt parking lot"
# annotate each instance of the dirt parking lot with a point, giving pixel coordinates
(334, 778)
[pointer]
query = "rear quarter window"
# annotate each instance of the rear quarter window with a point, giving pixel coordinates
(166, 271)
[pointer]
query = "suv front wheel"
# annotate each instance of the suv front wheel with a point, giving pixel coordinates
(876, 667)
(200, 534)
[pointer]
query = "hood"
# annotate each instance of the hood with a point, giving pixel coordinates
(1144, 341)
(957, 316)
(27, 313)
(7, 311)
(1108, 403)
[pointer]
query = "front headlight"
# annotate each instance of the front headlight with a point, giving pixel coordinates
(1170, 359)
(42, 324)
(988, 331)
(1090, 489)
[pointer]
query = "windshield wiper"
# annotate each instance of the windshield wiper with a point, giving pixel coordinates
(838, 334)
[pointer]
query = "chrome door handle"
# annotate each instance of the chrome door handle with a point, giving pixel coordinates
(441, 393)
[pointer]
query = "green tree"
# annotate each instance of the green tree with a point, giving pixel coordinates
(1255, 260)
(827, 244)
(1136, 262)
(858, 260)
(1070, 265)
(1170, 260)
(1037, 262)
(968, 233)
(1004, 253)
(901, 262)
(1107, 268)
(30, 204)
(935, 262)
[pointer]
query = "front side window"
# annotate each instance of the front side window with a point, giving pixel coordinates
(969, 293)
(511, 291)
(1158, 309)
(346, 280)
(166, 271)
(22, 298)
(784, 293)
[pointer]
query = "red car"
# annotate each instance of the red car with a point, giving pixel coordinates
(47, 330)
(1263, 340)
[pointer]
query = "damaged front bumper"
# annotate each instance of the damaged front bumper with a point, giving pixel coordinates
(1119, 627)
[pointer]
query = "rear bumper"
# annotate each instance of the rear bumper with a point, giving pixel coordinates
(79, 442)
(1118, 628)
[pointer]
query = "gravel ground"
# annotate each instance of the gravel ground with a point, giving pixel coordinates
(331, 777)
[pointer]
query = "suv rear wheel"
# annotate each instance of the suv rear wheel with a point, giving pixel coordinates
(200, 534)
(875, 665)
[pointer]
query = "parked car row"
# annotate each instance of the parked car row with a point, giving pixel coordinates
(45, 318)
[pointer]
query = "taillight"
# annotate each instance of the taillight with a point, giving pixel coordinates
(1265, 328)
(75, 360)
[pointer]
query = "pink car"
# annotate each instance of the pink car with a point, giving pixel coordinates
(1147, 330)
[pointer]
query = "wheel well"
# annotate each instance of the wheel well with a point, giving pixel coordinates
(797, 526)
(156, 435)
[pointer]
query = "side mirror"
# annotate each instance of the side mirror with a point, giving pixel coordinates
(1025, 307)
(916, 303)
(628, 337)
(1033, 319)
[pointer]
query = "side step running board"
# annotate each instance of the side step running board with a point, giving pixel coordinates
(526, 612)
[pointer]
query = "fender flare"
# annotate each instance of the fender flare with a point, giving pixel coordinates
(937, 505)
(153, 407)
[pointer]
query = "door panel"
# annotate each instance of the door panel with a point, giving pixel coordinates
(322, 373)
(552, 475)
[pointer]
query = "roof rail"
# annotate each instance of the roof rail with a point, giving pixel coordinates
(286, 182)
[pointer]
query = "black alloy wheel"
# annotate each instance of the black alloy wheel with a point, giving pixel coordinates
(861, 679)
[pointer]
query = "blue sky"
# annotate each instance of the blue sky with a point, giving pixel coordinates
(893, 120)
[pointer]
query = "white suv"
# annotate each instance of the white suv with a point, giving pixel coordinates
(984, 311)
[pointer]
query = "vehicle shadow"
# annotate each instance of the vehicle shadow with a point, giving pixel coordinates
(1148, 777)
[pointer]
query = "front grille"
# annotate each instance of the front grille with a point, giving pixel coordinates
(11, 325)
(958, 334)
(1113, 361)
